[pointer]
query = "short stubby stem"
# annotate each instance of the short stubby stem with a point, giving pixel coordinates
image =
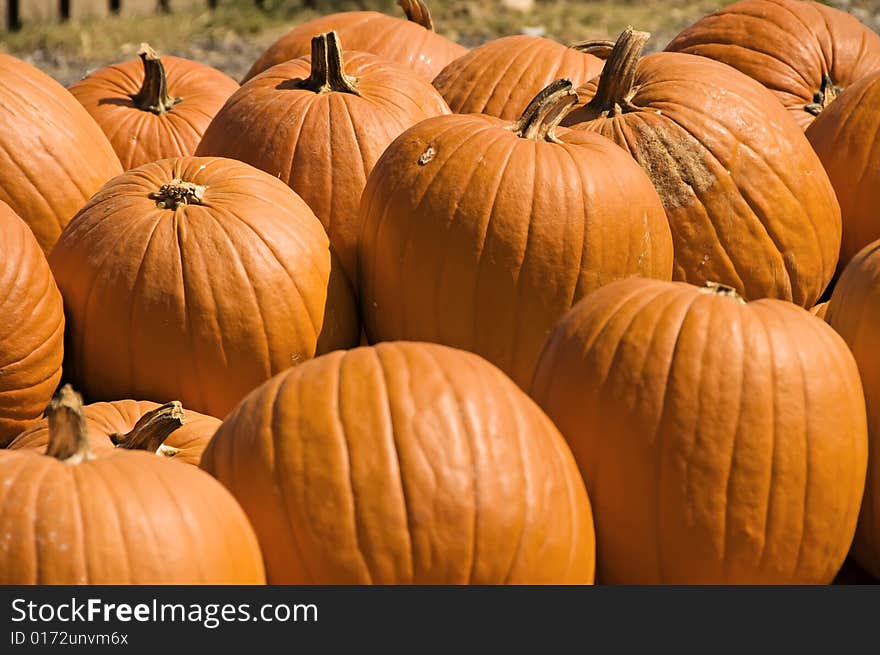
(153, 95)
(152, 429)
(327, 68)
(826, 94)
(617, 83)
(68, 434)
(600, 48)
(417, 12)
(718, 289)
(178, 192)
(546, 110)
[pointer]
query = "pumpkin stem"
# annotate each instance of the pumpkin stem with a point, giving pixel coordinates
(617, 84)
(417, 12)
(328, 71)
(826, 94)
(177, 192)
(152, 429)
(600, 48)
(68, 436)
(153, 95)
(718, 289)
(539, 120)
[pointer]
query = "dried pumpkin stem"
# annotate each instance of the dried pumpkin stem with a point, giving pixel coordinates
(68, 435)
(718, 289)
(600, 48)
(617, 84)
(417, 12)
(178, 192)
(328, 70)
(153, 95)
(546, 110)
(826, 94)
(152, 429)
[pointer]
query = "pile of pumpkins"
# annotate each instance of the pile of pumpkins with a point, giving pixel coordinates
(393, 311)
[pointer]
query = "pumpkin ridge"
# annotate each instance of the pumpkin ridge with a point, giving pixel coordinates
(340, 426)
(526, 490)
(395, 446)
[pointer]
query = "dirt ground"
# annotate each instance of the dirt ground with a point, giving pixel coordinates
(233, 36)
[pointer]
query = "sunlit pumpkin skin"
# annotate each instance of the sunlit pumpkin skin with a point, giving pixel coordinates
(854, 311)
(480, 234)
(804, 52)
(844, 137)
(721, 442)
(197, 279)
(71, 518)
(748, 201)
(184, 444)
(500, 77)
(154, 108)
(404, 463)
(53, 156)
(410, 42)
(31, 328)
(320, 126)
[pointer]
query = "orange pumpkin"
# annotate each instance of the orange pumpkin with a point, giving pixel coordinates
(841, 136)
(196, 279)
(820, 310)
(404, 463)
(52, 154)
(321, 125)
(154, 108)
(481, 234)
(500, 77)
(127, 518)
(805, 52)
(412, 43)
(31, 327)
(166, 430)
(854, 311)
(720, 441)
(747, 199)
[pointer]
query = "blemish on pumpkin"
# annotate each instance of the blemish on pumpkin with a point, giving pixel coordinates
(427, 156)
(674, 160)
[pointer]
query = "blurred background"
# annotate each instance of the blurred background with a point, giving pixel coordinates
(68, 38)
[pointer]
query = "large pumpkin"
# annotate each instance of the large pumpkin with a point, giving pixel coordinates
(412, 43)
(53, 156)
(404, 463)
(481, 234)
(720, 441)
(747, 199)
(854, 311)
(69, 518)
(842, 137)
(321, 126)
(805, 52)
(154, 108)
(196, 279)
(31, 327)
(502, 76)
(167, 430)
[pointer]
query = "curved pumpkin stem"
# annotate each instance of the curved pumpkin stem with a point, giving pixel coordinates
(152, 429)
(417, 12)
(177, 192)
(600, 48)
(328, 70)
(616, 86)
(153, 95)
(826, 94)
(539, 120)
(718, 289)
(68, 435)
